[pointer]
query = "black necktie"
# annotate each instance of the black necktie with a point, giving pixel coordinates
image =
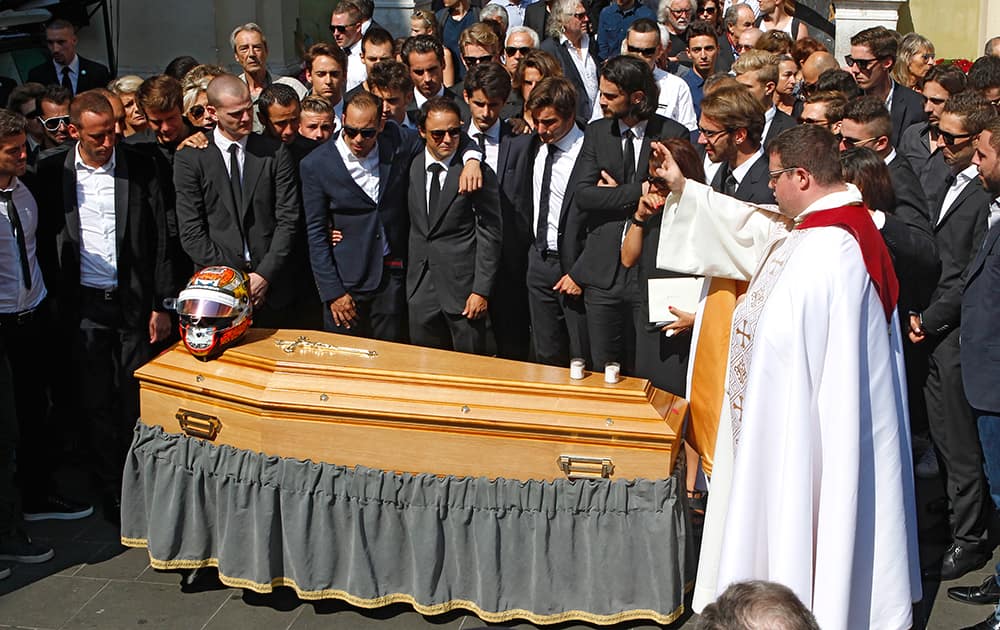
(435, 194)
(481, 137)
(629, 156)
(235, 180)
(18, 228)
(66, 83)
(542, 227)
(730, 185)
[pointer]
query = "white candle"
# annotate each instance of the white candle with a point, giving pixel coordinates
(576, 369)
(611, 371)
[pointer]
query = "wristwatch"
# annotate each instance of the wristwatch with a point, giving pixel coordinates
(636, 222)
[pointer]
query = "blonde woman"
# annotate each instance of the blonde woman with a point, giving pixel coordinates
(125, 88)
(914, 59)
(195, 86)
(423, 23)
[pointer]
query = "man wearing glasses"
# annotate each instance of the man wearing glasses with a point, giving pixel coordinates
(455, 239)
(677, 14)
(643, 42)
(614, 22)
(737, 18)
(345, 26)
(53, 108)
(873, 53)
(732, 123)
(959, 220)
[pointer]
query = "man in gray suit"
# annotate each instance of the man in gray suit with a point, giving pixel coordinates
(454, 244)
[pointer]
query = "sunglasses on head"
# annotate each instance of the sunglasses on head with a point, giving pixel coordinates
(197, 111)
(341, 28)
(438, 134)
(53, 124)
(472, 61)
(367, 133)
(517, 50)
(645, 52)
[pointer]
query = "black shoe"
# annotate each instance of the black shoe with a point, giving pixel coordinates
(113, 509)
(990, 623)
(16, 546)
(959, 560)
(986, 593)
(55, 507)
(4, 572)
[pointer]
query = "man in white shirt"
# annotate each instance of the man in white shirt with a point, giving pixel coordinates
(326, 72)
(643, 41)
(345, 25)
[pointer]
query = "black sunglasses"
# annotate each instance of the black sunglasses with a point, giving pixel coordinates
(438, 134)
(950, 138)
(850, 143)
(53, 124)
(472, 61)
(580, 15)
(863, 65)
(707, 10)
(197, 111)
(367, 133)
(342, 28)
(517, 50)
(645, 52)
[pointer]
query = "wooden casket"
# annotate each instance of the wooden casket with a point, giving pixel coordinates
(378, 473)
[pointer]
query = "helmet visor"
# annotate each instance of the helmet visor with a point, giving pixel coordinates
(199, 304)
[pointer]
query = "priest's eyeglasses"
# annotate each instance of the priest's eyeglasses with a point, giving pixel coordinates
(774, 175)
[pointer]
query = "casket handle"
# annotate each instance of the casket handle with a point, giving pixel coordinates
(582, 467)
(198, 425)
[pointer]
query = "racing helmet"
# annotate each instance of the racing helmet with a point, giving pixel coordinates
(214, 310)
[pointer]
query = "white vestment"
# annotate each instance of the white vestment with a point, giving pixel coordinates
(817, 491)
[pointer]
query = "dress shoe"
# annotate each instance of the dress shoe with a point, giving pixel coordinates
(986, 593)
(959, 560)
(113, 509)
(990, 623)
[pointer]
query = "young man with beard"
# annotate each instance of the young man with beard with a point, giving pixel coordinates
(732, 122)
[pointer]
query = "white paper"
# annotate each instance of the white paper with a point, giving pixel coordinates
(681, 293)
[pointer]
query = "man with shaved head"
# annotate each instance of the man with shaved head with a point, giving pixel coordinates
(245, 175)
(815, 65)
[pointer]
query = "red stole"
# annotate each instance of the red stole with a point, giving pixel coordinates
(858, 222)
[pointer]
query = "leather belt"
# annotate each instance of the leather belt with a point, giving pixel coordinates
(101, 295)
(17, 319)
(548, 254)
(392, 263)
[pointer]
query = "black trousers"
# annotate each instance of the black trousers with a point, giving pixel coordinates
(558, 321)
(381, 313)
(31, 368)
(8, 444)
(107, 353)
(610, 320)
(661, 359)
(509, 314)
(956, 438)
(432, 327)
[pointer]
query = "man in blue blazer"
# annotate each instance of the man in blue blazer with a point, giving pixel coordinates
(356, 184)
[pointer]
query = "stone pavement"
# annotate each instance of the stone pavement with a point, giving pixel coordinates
(95, 583)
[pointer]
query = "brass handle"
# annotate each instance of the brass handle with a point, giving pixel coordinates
(581, 467)
(198, 425)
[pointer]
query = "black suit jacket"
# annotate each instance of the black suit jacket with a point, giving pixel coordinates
(457, 244)
(536, 17)
(454, 93)
(910, 196)
(210, 225)
(779, 123)
(145, 274)
(755, 187)
(605, 209)
(92, 75)
(584, 106)
(958, 237)
(914, 257)
(331, 198)
(980, 351)
(907, 109)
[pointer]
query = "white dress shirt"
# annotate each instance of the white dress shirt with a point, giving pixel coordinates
(741, 171)
(639, 131)
(585, 65)
(562, 166)
(994, 214)
(95, 197)
(419, 99)
(428, 160)
(357, 73)
(768, 119)
(222, 143)
(962, 180)
(492, 142)
(675, 99)
(364, 170)
(14, 297)
(74, 71)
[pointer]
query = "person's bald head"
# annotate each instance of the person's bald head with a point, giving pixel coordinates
(229, 103)
(117, 107)
(816, 64)
(748, 39)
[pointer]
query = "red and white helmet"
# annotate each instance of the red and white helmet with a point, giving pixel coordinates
(214, 310)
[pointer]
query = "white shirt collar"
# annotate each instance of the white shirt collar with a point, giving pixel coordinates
(740, 171)
(888, 97)
(492, 134)
(430, 159)
(109, 166)
(348, 155)
(834, 200)
(769, 114)
(639, 130)
(966, 175)
(566, 142)
(74, 67)
(889, 158)
(223, 142)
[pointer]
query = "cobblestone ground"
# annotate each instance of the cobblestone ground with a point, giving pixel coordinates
(94, 582)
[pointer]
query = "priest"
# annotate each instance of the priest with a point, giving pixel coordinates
(820, 484)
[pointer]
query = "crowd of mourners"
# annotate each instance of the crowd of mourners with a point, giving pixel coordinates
(473, 185)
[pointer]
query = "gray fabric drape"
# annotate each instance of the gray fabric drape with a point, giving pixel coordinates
(598, 551)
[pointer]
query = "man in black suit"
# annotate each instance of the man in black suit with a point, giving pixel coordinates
(357, 184)
(980, 355)
(548, 241)
(454, 244)
(866, 123)
(536, 16)
(960, 221)
(424, 56)
(480, 45)
(873, 54)
(326, 74)
(390, 81)
(109, 268)
(758, 71)
(732, 122)
(612, 164)
(237, 202)
(67, 68)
